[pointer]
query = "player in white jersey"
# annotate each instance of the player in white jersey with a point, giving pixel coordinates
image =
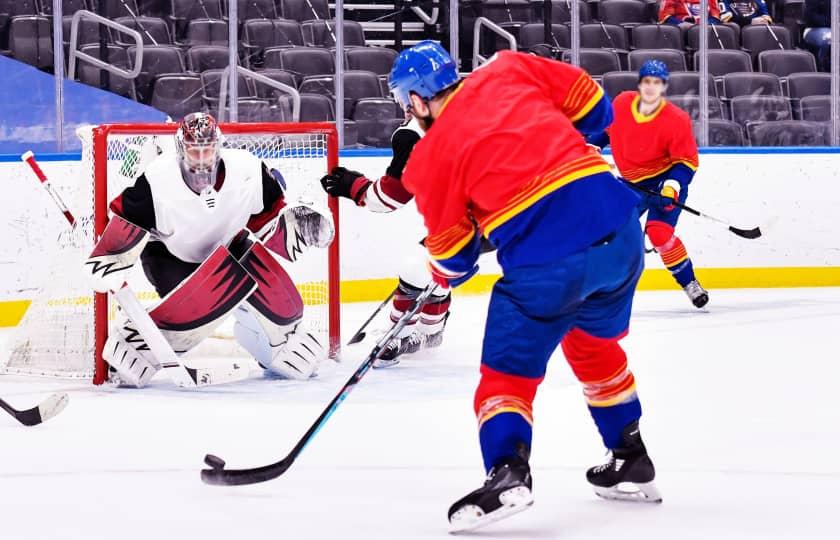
(211, 213)
(386, 195)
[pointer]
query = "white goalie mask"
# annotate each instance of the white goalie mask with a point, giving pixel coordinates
(197, 143)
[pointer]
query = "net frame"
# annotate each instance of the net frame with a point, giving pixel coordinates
(100, 135)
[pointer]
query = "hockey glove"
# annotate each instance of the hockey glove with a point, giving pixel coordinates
(446, 278)
(343, 182)
(670, 193)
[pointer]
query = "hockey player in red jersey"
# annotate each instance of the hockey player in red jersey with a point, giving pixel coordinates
(504, 156)
(213, 214)
(653, 147)
(386, 195)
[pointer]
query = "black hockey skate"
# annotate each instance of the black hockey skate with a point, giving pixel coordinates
(698, 295)
(398, 347)
(628, 474)
(506, 491)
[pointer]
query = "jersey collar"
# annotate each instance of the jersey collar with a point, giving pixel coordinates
(641, 118)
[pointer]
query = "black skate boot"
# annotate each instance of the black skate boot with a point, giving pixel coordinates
(698, 295)
(434, 340)
(398, 347)
(506, 491)
(628, 474)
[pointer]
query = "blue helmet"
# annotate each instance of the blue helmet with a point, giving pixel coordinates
(425, 69)
(654, 68)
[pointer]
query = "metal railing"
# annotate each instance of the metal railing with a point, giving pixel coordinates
(484, 22)
(259, 77)
(75, 53)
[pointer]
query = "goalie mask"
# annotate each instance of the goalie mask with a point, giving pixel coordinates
(197, 143)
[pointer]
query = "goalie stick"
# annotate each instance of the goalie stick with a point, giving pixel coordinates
(41, 412)
(219, 476)
(182, 376)
(750, 234)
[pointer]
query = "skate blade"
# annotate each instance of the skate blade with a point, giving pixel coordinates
(471, 517)
(380, 363)
(643, 492)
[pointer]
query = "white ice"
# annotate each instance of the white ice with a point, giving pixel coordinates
(741, 419)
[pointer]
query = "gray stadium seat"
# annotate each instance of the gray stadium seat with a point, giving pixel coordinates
(304, 10)
(321, 33)
(154, 31)
(687, 83)
(674, 59)
(203, 57)
(508, 13)
(616, 82)
(256, 9)
(68, 7)
(801, 85)
(260, 34)
(656, 36)
(89, 74)
(721, 36)
(722, 133)
(303, 61)
(376, 119)
(30, 40)
(177, 95)
(624, 12)
(783, 63)
(118, 8)
(279, 75)
(764, 37)
(184, 11)
(788, 133)
(815, 108)
(596, 62)
(604, 36)
(313, 107)
(751, 84)
(379, 60)
(726, 61)
(746, 109)
(206, 32)
(157, 60)
(256, 110)
(691, 105)
(211, 80)
(534, 34)
(561, 11)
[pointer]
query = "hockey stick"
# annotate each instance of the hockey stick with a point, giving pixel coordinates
(360, 333)
(218, 475)
(40, 413)
(750, 234)
(180, 374)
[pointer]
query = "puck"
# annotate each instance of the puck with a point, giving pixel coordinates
(215, 462)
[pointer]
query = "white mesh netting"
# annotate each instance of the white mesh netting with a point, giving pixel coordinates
(56, 335)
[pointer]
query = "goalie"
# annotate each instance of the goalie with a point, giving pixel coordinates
(212, 215)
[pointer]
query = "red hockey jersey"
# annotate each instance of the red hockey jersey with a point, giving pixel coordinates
(506, 158)
(646, 146)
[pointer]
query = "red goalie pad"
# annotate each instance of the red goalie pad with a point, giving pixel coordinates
(198, 305)
(277, 299)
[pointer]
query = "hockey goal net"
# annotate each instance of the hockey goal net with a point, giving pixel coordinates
(66, 325)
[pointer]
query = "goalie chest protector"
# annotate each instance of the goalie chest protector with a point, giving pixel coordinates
(192, 225)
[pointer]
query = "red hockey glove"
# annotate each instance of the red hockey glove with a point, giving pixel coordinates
(446, 278)
(343, 182)
(670, 192)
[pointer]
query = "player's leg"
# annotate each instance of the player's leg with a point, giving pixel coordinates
(530, 311)
(660, 230)
(599, 362)
(426, 328)
(270, 324)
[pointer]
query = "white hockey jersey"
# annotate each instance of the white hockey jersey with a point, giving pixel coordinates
(192, 225)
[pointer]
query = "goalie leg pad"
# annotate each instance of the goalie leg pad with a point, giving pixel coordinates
(196, 307)
(126, 351)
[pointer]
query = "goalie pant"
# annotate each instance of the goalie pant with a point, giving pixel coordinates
(388, 194)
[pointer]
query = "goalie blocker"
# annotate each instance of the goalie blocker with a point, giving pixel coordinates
(242, 278)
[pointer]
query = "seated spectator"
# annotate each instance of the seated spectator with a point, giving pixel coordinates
(679, 12)
(745, 13)
(686, 12)
(817, 35)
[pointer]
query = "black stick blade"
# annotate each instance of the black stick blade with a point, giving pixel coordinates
(217, 475)
(751, 234)
(41, 413)
(357, 338)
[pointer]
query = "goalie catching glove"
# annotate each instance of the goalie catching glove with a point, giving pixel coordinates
(298, 228)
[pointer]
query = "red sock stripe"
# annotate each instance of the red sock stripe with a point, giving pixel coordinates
(675, 255)
(496, 405)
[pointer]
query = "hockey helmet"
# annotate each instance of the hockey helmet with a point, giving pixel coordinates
(425, 69)
(654, 68)
(198, 143)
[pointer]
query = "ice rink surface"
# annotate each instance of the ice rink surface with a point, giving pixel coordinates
(741, 419)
